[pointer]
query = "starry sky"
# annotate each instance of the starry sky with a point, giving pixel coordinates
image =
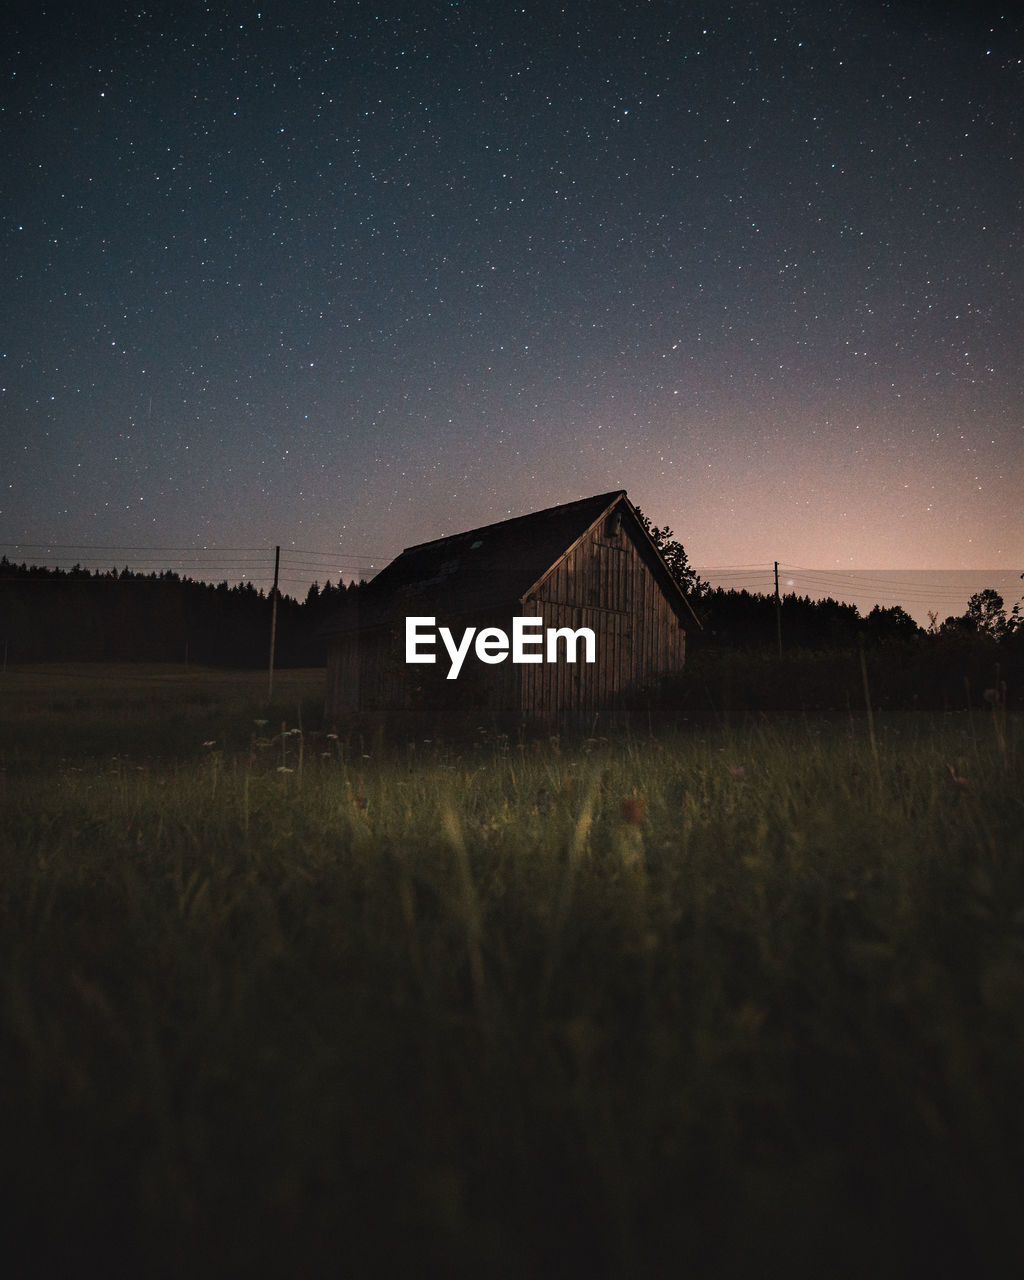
(349, 276)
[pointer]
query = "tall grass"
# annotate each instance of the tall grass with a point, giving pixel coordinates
(695, 1005)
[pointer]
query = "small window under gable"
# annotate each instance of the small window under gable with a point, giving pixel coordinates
(613, 526)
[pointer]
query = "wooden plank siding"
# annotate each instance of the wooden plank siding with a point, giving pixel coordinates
(606, 583)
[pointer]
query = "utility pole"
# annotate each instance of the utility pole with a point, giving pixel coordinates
(778, 609)
(273, 621)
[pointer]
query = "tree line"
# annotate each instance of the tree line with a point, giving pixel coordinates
(77, 615)
(828, 649)
(748, 620)
(120, 615)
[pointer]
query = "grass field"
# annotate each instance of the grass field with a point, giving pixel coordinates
(720, 1003)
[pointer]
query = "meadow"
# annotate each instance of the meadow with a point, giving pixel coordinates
(721, 1000)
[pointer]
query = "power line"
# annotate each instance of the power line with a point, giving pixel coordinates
(766, 565)
(300, 567)
(101, 553)
(864, 575)
(233, 564)
(739, 577)
(868, 582)
(96, 546)
(301, 551)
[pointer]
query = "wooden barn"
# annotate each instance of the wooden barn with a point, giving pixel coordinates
(587, 564)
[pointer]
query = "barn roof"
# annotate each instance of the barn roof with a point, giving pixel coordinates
(490, 567)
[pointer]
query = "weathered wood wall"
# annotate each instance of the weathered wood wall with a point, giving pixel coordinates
(604, 583)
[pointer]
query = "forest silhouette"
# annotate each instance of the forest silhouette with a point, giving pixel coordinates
(735, 664)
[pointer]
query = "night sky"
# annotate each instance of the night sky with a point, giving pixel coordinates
(346, 277)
